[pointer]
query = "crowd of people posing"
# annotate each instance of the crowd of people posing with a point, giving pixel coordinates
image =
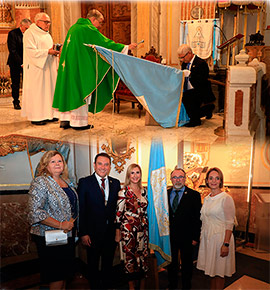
(103, 216)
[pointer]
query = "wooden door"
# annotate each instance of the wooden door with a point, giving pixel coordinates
(117, 19)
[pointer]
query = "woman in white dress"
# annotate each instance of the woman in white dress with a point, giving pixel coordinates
(217, 251)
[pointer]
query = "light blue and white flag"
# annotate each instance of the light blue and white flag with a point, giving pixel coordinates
(158, 208)
(157, 87)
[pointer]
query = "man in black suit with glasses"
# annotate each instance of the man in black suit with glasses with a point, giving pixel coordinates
(185, 226)
(197, 87)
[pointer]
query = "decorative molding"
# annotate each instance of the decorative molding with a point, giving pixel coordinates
(15, 143)
(118, 159)
(12, 144)
(27, 5)
(238, 114)
(120, 10)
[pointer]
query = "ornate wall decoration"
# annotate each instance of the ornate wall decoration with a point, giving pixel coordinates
(120, 9)
(11, 144)
(16, 143)
(119, 151)
(197, 12)
(6, 15)
(195, 165)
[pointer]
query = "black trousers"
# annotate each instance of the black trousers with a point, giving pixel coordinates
(101, 252)
(192, 102)
(186, 249)
(15, 74)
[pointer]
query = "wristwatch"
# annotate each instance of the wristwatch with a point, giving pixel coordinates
(226, 244)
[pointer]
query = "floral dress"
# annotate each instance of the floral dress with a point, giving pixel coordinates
(131, 216)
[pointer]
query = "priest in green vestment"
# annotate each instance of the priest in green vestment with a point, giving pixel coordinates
(85, 82)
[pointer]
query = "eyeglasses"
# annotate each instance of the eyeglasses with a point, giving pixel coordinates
(178, 177)
(45, 21)
(181, 57)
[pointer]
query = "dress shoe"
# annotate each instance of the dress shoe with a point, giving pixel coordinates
(209, 115)
(52, 120)
(39, 123)
(193, 124)
(83, 128)
(65, 125)
(17, 106)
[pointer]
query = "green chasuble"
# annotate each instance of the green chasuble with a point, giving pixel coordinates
(77, 73)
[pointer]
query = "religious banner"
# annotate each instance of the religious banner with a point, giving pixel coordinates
(157, 87)
(199, 37)
(158, 208)
(203, 36)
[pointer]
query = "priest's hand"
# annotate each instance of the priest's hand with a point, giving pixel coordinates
(53, 51)
(132, 46)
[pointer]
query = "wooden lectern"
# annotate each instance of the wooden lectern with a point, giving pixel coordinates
(228, 44)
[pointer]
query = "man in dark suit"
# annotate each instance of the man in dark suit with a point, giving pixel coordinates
(197, 87)
(15, 59)
(185, 226)
(98, 194)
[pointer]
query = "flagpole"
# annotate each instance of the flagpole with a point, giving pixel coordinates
(180, 102)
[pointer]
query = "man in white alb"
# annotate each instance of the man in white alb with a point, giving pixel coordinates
(39, 72)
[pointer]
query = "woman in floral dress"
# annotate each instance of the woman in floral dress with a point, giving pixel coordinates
(132, 225)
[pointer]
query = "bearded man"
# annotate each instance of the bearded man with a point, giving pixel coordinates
(185, 226)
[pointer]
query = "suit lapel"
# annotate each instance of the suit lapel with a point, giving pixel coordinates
(194, 63)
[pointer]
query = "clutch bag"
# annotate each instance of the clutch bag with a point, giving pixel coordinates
(56, 238)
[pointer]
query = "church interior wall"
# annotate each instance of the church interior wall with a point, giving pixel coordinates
(233, 159)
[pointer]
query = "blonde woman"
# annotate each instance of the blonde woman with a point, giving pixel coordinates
(132, 225)
(53, 205)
